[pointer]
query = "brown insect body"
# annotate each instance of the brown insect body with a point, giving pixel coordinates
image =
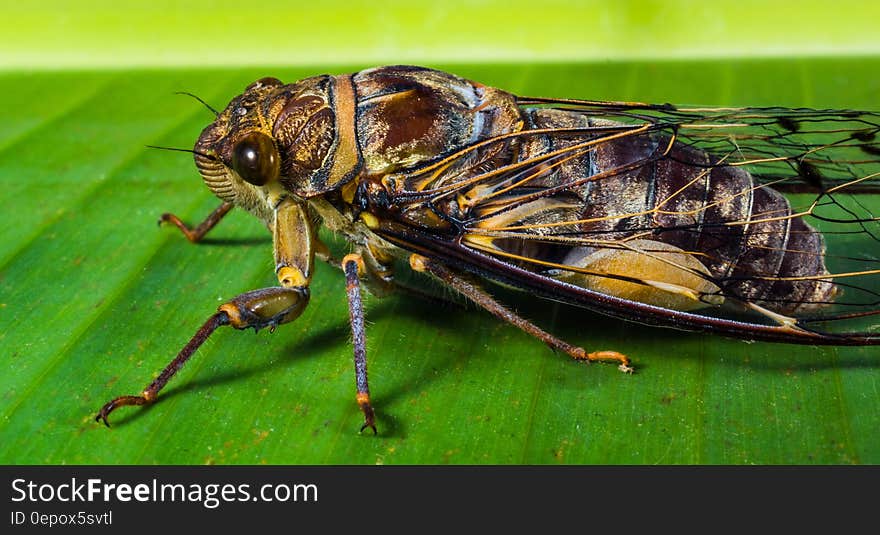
(404, 117)
(649, 213)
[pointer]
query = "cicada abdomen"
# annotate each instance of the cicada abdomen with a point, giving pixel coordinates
(663, 223)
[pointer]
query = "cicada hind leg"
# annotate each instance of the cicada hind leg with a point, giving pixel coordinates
(486, 301)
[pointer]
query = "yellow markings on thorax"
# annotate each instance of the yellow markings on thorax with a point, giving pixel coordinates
(347, 153)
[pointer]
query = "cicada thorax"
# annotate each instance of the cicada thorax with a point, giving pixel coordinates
(408, 116)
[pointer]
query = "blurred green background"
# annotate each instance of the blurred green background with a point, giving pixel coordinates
(163, 33)
(95, 299)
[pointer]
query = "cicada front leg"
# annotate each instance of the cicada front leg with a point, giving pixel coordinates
(258, 309)
(196, 234)
(486, 301)
(294, 236)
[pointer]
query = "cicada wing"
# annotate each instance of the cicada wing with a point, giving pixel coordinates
(793, 148)
(672, 215)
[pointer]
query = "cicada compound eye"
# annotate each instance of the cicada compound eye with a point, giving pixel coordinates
(255, 158)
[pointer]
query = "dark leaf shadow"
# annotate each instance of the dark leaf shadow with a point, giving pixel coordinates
(300, 349)
(316, 343)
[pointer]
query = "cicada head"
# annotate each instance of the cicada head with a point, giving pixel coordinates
(276, 140)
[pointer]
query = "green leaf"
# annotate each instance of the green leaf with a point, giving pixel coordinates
(95, 299)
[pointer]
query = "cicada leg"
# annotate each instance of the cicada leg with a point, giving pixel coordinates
(196, 234)
(353, 266)
(257, 309)
(483, 299)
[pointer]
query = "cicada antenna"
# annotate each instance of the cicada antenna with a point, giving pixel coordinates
(205, 104)
(191, 151)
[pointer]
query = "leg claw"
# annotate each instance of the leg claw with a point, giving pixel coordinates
(369, 415)
(114, 404)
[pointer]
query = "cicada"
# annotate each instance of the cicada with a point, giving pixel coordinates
(663, 215)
